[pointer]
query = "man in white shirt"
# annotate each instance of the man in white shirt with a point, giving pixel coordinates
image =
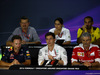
(52, 52)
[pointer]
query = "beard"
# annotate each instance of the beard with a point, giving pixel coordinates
(86, 45)
(88, 27)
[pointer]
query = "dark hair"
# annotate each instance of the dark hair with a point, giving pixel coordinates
(59, 19)
(89, 17)
(16, 37)
(50, 33)
(24, 17)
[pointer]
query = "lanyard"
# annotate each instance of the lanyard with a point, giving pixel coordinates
(25, 35)
(60, 35)
(54, 52)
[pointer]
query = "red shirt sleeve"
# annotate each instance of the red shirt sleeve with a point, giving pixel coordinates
(74, 55)
(97, 53)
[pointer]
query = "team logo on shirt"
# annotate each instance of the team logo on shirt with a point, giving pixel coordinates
(73, 53)
(3, 54)
(80, 54)
(57, 51)
(27, 54)
(27, 51)
(92, 54)
(98, 50)
(11, 56)
(11, 48)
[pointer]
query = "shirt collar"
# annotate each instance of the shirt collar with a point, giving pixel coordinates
(91, 30)
(62, 29)
(53, 48)
(81, 45)
(27, 30)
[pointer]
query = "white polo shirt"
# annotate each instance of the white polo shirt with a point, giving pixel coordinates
(65, 34)
(58, 53)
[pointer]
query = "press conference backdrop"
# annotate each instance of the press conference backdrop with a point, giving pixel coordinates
(43, 12)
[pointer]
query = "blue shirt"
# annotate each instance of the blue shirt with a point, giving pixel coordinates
(9, 55)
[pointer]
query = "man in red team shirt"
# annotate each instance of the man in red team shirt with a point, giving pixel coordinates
(86, 53)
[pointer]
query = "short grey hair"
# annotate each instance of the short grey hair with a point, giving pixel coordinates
(86, 34)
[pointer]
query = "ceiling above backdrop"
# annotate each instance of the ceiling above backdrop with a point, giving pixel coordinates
(42, 14)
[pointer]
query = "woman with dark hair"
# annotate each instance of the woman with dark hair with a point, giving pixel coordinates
(60, 32)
